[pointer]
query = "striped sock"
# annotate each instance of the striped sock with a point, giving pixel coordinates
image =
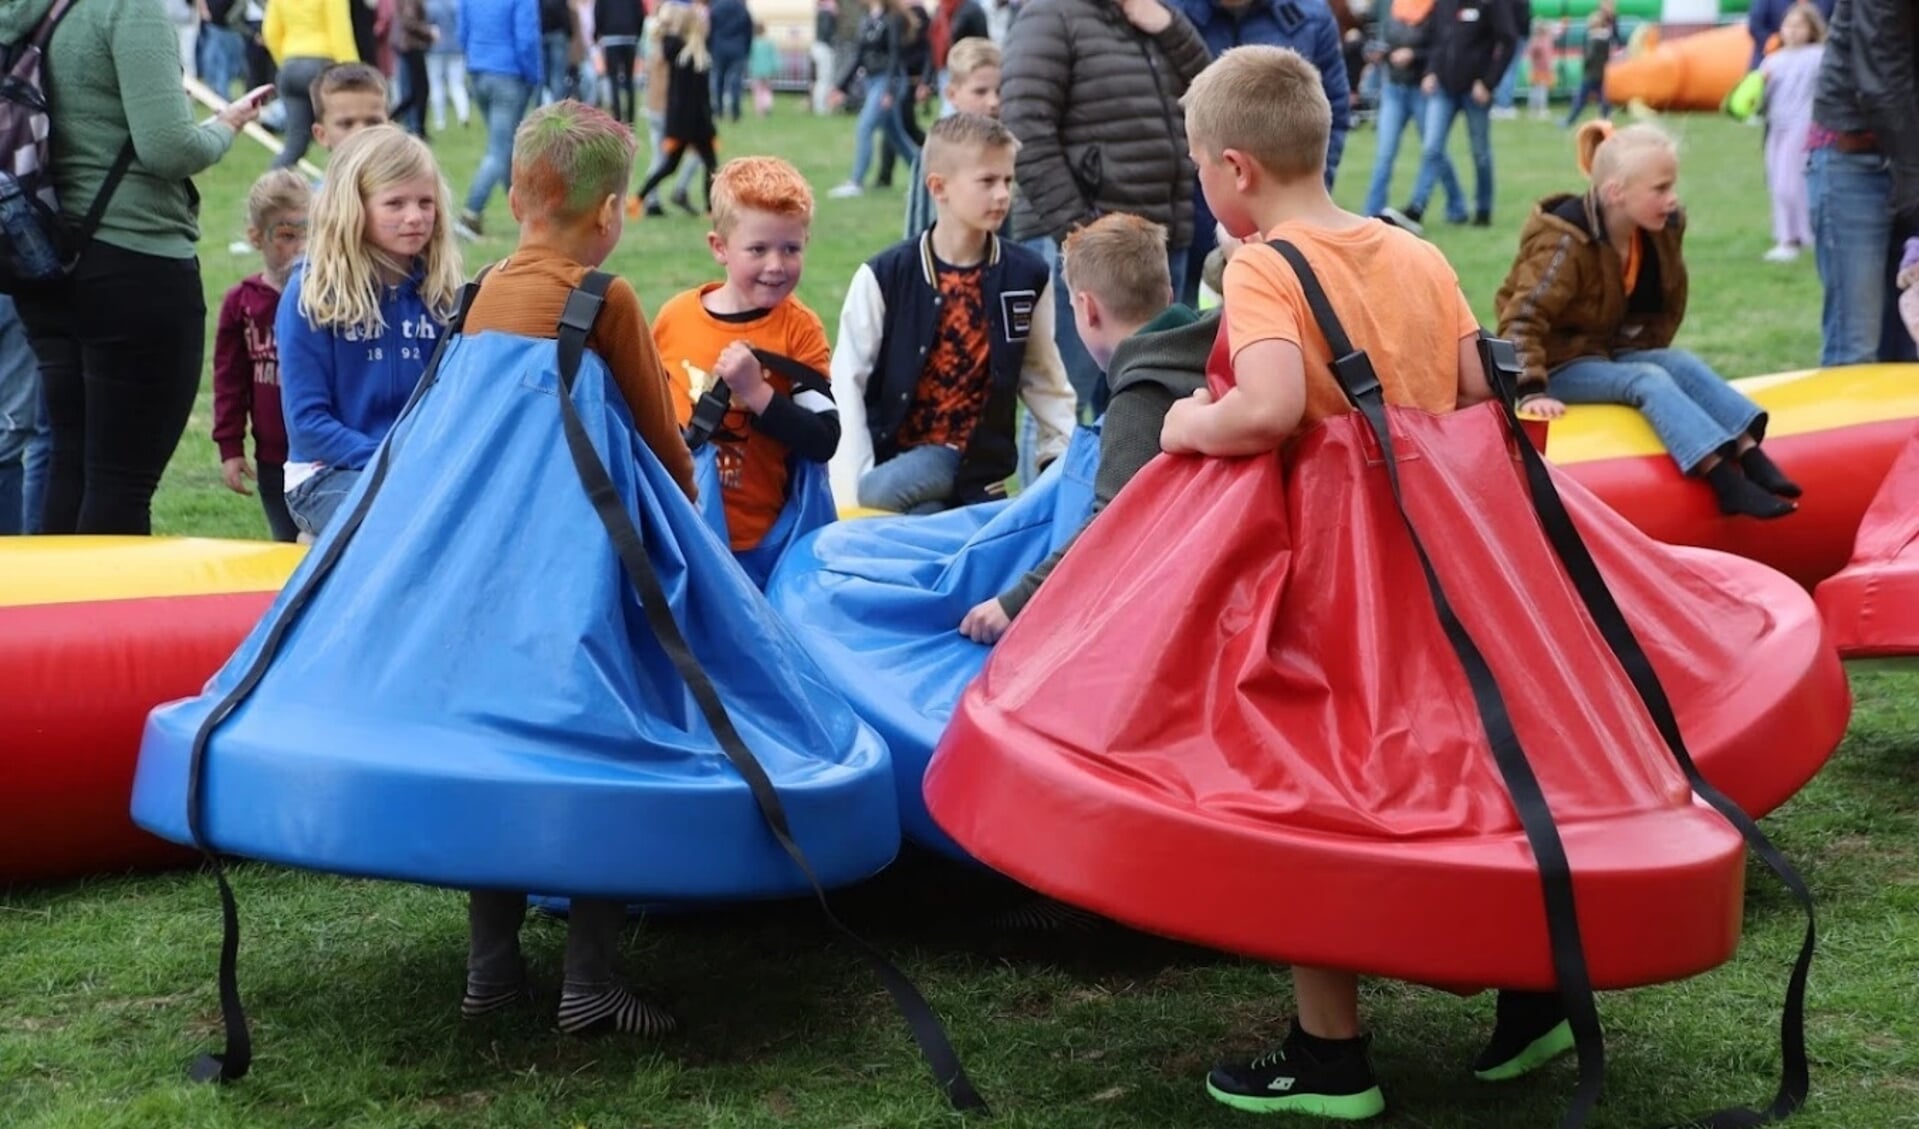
(485, 999)
(614, 1009)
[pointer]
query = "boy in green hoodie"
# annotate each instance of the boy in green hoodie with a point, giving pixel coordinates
(1153, 353)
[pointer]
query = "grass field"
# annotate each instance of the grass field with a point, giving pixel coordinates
(106, 986)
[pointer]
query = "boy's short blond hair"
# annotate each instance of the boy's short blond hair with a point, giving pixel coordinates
(969, 55)
(342, 77)
(1267, 102)
(956, 137)
(1121, 260)
(759, 184)
(567, 158)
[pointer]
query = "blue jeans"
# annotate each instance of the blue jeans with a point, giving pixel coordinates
(313, 503)
(1441, 109)
(728, 79)
(36, 465)
(554, 48)
(20, 416)
(222, 57)
(1853, 244)
(875, 115)
(1508, 82)
(915, 481)
(502, 100)
(1402, 104)
(1694, 412)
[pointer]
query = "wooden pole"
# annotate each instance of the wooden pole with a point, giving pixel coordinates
(204, 95)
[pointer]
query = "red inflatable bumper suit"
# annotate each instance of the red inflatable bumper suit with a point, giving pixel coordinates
(1872, 605)
(1232, 716)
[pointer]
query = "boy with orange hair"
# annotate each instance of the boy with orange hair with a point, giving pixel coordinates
(712, 339)
(1256, 122)
(571, 164)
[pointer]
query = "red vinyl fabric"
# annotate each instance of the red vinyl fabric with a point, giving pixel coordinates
(1232, 717)
(80, 680)
(1872, 605)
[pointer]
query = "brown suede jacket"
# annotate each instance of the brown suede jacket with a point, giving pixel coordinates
(1565, 296)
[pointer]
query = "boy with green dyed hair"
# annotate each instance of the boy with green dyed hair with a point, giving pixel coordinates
(571, 163)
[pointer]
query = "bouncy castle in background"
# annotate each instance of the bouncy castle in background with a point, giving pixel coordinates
(1680, 54)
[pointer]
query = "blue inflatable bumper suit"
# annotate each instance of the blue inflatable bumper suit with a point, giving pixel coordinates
(461, 686)
(878, 603)
(809, 505)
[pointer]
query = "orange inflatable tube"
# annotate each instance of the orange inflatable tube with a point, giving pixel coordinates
(1692, 72)
(1835, 431)
(95, 632)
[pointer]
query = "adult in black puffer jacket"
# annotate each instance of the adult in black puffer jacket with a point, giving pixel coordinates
(1091, 88)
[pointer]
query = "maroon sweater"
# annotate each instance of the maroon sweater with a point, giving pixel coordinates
(246, 374)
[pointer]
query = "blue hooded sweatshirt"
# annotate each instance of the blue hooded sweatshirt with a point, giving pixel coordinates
(502, 37)
(341, 390)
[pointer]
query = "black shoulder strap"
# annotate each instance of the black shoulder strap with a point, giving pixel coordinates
(1354, 371)
(90, 223)
(576, 323)
(717, 400)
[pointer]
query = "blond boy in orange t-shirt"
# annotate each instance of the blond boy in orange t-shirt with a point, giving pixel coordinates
(1257, 123)
(707, 336)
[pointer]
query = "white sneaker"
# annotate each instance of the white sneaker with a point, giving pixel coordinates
(845, 191)
(239, 247)
(1782, 254)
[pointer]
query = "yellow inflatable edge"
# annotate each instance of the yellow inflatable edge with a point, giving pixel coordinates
(71, 570)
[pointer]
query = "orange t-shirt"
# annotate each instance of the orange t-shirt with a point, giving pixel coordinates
(752, 464)
(1396, 295)
(525, 294)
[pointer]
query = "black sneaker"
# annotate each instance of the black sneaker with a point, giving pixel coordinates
(1529, 1030)
(1292, 1080)
(1402, 219)
(1482, 219)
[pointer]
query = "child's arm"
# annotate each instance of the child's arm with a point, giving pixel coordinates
(1043, 386)
(1268, 399)
(1474, 388)
(306, 391)
(1543, 282)
(232, 392)
(806, 420)
(862, 319)
(626, 345)
(1255, 416)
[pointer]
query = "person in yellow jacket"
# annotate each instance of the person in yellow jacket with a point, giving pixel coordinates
(305, 37)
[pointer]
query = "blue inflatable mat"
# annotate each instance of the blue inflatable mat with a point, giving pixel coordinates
(878, 602)
(809, 505)
(472, 697)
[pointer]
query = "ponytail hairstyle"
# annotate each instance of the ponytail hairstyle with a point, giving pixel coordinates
(1607, 156)
(342, 286)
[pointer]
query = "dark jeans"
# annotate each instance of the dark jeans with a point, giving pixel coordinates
(270, 480)
(618, 59)
(120, 345)
(728, 80)
(295, 82)
(410, 114)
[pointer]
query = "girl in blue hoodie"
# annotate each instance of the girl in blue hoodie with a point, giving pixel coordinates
(360, 317)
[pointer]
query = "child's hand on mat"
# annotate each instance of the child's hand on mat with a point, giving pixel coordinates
(986, 622)
(1176, 435)
(1545, 407)
(741, 371)
(234, 472)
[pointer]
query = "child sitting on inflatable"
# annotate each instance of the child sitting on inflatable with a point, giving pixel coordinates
(1152, 351)
(708, 337)
(939, 338)
(571, 165)
(1593, 301)
(360, 317)
(1257, 122)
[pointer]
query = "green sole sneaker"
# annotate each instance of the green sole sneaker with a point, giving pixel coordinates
(1339, 1107)
(1532, 1056)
